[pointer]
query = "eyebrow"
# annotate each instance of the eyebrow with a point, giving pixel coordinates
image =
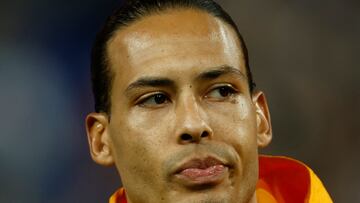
(151, 82)
(219, 71)
(166, 82)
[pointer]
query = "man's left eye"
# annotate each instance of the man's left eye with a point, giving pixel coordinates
(221, 92)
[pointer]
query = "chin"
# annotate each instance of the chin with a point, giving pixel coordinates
(206, 200)
(207, 196)
(218, 195)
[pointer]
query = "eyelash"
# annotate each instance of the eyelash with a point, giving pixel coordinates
(142, 101)
(165, 98)
(231, 91)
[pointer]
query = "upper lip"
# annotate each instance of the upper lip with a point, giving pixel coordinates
(200, 163)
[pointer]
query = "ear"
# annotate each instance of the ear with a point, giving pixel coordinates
(263, 121)
(98, 138)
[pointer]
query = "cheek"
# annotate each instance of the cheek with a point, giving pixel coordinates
(243, 110)
(235, 124)
(137, 160)
(237, 117)
(152, 122)
(137, 140)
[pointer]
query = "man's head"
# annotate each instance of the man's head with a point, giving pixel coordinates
(185, 124)
(102, 75)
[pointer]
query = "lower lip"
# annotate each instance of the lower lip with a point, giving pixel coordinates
(212, 175)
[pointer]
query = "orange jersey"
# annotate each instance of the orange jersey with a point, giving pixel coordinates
(281, 180)
(285, 180)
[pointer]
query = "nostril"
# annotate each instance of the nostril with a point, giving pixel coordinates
(205, 134)
(186, 137)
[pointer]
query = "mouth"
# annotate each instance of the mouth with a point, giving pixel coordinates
(198, 172)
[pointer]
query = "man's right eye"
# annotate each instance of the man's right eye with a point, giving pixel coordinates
(154, 100)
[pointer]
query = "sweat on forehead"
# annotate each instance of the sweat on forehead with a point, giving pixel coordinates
(149, 38)
(133, 12)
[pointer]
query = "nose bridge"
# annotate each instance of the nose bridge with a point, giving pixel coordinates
(188, 110)
(191, 119)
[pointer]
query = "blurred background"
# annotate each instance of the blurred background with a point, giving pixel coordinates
(304, 55)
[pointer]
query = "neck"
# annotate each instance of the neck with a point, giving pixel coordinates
(253, 198)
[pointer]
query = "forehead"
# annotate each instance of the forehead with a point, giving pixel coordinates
(174, 38)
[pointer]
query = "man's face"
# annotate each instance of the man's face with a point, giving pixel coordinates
(184, 126)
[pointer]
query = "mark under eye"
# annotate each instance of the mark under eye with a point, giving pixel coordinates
(154, 100)
(221, 92)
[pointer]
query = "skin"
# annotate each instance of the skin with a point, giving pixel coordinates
(200, 91)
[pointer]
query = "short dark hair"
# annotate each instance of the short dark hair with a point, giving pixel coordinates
(130, 11)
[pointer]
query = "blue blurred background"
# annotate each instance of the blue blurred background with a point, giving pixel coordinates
(304, 54)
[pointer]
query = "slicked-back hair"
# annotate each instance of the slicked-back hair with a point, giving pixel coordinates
(133, 10)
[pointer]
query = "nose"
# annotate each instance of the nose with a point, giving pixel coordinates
(192, 124)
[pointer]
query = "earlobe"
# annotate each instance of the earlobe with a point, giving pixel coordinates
(98, 138)
(263, 121)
